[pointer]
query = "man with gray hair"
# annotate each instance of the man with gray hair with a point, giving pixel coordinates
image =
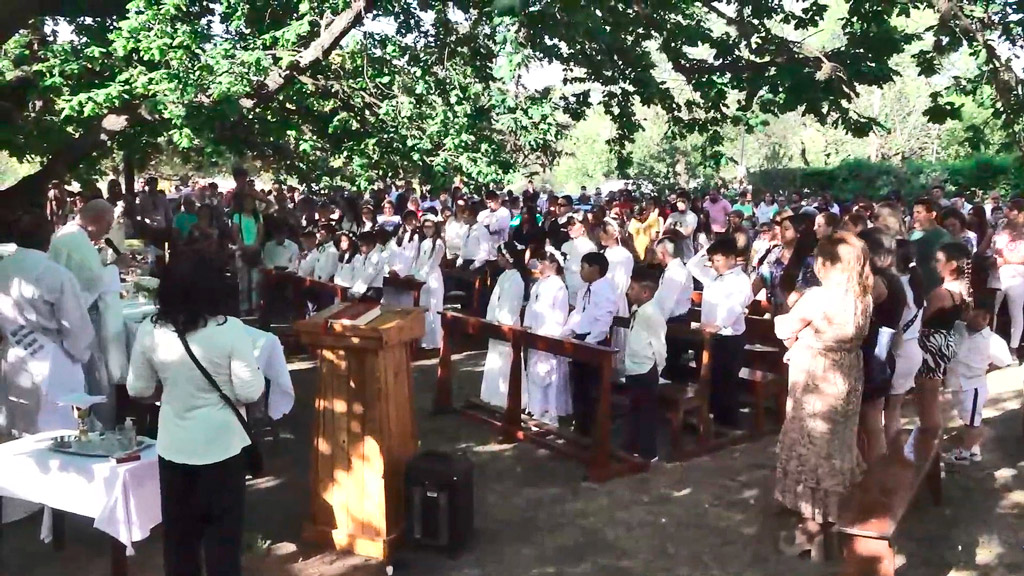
(675, 292)
(74, 246)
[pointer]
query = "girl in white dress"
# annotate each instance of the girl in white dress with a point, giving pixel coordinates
(547, 375)
(345, 275)
(402, 252)
(504, 307)
(574, 250)
(428, 270)
(620, 270)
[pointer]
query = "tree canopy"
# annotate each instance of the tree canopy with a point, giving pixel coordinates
(333, 91)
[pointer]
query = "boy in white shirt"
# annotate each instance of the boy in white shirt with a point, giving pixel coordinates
(281, 254)
(308, 258)
(368, 270)
(590, 321)
(645, 358)
(978, 349)
(723, 310)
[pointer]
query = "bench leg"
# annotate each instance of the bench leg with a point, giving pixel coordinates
(868, 557)
(935, 480)
(59, 530)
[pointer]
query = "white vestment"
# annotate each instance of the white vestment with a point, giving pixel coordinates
(547, 375)
(401, 260)
(428, 270)
(108, 364)
(620, 270)
(46, 335)
(503, 308)
(574, 250)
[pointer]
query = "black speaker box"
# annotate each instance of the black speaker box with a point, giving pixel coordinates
(439, 493)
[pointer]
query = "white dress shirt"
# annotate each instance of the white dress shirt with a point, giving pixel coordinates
(675, 290)
(497, 223)
(596, 305)
(973, 355)
(345, 274)
(645, 344)
(307, 264)
(368, 271)
(196, 426)
(326, 262)
(477, 247)
(285, 255)
(454, 234)
(726, 296)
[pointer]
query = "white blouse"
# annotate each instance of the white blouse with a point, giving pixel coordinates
(196, 426)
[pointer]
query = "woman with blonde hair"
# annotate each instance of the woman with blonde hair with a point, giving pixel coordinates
(818, 457)
(889, 217)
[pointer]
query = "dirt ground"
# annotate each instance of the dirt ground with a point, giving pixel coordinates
(535, 516)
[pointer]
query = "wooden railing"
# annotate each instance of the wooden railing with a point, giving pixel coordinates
(603, 462)
(301, 286)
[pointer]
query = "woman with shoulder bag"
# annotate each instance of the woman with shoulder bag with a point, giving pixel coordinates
(202, 365)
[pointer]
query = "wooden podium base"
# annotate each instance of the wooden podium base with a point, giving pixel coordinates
(377, 548)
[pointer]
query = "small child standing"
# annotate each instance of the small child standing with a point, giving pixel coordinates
(367, 271)
(723, 311)
(547, 375)
(504, 307)
(644, 360)
(979, 349)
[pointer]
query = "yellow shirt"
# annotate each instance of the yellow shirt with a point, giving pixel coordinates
(644, 232)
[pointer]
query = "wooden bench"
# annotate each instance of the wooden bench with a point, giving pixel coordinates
(764, 372)
(871, 513)
(469, 302)
(602, 460)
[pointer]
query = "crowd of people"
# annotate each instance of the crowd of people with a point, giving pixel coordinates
(872, 299)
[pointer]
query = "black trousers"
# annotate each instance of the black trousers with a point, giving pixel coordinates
(674, 350)
(584, 381)
(726, 361)
(203, 510)
(642, 437)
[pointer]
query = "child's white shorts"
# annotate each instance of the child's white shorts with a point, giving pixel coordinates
(908, 361)
(969, 404)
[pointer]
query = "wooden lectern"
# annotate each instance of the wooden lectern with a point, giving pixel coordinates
(364, 430)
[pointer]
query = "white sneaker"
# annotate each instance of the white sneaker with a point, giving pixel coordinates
(961, 456)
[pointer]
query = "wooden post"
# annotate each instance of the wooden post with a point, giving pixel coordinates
(600, 450)
(60, 530)
(512, 421)
(443, 391)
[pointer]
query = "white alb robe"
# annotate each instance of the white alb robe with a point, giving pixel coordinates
(620, 271)
(503, 308)
(401, 260)
(428, 270)
(574, 251)
(547, 375)
(108, 364)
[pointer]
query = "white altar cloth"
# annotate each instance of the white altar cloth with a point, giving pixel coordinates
(123, 499)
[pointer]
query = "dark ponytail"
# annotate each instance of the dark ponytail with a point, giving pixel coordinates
(905, 265)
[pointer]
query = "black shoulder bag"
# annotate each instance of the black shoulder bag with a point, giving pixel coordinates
(251, 453)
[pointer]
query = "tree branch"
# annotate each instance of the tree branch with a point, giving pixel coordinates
(18, 14)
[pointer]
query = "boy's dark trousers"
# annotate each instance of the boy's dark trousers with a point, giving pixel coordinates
(674, 351)
(726, 361)
(583, 379)
(642, 435)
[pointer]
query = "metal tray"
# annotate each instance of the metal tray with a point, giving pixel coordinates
(92, 449)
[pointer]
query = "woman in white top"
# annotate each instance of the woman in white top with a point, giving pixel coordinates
(402, 252)
(547, 375)
(504, 307)
(766, 209)
(369, 219)
(202, 470)
(428, 269)
(907, 350)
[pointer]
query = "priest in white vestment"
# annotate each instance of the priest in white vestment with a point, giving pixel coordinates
(46, 336)
(74, 247)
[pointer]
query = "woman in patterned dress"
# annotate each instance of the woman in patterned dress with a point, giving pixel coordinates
(818, 459)
(788, 269)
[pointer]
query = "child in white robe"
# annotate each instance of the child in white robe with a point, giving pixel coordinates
(428, 270)
(620, 271)
(368, 270)
(402, 253)
(574, 250)
(504, 307)
(547, 375)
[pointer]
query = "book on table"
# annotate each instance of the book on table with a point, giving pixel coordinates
(356, 314)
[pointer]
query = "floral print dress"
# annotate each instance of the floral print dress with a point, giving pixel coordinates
(818, 459)
(770, 272)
